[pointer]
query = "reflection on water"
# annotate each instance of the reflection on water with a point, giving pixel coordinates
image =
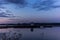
(26, 34)
(10, 36)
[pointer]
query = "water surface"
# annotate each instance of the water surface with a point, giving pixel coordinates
(37, 34)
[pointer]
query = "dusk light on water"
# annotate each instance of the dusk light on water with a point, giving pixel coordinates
(29, 19)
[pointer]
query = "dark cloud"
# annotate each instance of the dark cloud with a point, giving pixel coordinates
(17, 2)
(20, 3)
(5, 13)
(39, 4)
(2, 14)
(3, 2)
(45, 5)
(2, 8)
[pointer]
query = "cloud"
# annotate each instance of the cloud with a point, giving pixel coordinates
(20, 3)
(3, 2)
(45, 5)
(17, 2)
(39, 4)
(5, 13)
(3, 10)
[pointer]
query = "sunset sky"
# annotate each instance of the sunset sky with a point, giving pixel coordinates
(13, 13)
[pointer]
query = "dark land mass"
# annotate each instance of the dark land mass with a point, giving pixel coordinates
(29, 25)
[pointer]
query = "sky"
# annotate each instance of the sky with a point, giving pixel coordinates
(42, 11)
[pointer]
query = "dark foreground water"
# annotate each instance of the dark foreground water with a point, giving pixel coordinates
(26, 34)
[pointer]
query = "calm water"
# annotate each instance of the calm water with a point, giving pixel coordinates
(37, 34)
